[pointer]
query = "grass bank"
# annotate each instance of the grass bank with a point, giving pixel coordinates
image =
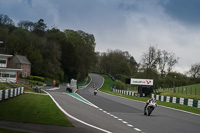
(108, 83)
(32, 108)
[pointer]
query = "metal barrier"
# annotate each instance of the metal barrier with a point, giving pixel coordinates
(125, 92)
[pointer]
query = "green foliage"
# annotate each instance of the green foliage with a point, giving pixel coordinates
(120, 85)
(108, 83)
(4, 86)
(81, 47)
(53, 54)
(37, 78)
(40, 27)
(120, 64)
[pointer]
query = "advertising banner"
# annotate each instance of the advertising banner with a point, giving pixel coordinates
(141, 81)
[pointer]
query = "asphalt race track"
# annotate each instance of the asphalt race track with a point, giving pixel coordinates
(162, 120)
(120, 115)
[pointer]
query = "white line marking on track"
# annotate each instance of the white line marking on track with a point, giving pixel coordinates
(75, 117)
(52, 89)
(115, 117)
(129, 125)
(137, 129)
(124, 122)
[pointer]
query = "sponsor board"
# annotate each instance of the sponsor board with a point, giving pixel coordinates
(141, 81)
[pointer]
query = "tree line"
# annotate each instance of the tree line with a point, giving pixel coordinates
(155, 64)
(68, 54)
(53, 54)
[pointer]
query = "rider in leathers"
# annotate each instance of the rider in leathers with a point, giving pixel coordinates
(148, 101)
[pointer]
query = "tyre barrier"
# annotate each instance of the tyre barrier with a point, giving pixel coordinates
(8, 93)
(179, 100)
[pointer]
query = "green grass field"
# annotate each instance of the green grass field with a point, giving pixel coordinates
(108, 83)
(32, 108)
(190, 91)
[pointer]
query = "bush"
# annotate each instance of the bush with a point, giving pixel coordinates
(120, 85)
(37, 78)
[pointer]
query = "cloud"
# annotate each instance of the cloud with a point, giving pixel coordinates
(129, 25)
(186, 11)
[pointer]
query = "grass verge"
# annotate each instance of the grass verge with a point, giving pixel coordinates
(108, 83)
(31, 108)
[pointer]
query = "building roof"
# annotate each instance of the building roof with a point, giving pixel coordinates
(10, 69)
(23, 59)
(5, 55)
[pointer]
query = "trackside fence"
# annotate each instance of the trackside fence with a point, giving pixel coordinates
(8, 93)
(179, 100)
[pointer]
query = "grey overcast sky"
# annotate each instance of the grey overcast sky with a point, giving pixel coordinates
(128, 25)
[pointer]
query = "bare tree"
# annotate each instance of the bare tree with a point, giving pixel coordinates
(150, 59)
(4, 19)
(163, 61)
(172, 61)
(158, 60)
(27, 25)
(195, 70)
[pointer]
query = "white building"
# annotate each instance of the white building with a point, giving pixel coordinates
(7, 74)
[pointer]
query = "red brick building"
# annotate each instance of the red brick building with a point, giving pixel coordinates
(20, 62)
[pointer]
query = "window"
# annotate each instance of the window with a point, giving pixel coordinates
(3, 61)
(5, 74)
(12, 74)
(8, 74)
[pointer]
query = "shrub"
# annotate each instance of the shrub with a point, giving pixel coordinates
(37, 78)
(120, 85)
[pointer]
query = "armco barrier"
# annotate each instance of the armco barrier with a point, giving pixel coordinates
(125, 92)
(179, 100)
(8, 93)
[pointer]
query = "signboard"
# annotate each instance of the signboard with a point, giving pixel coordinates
(141, 81)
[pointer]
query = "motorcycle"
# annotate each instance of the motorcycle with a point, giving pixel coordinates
(149, 108)
(95, 92)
